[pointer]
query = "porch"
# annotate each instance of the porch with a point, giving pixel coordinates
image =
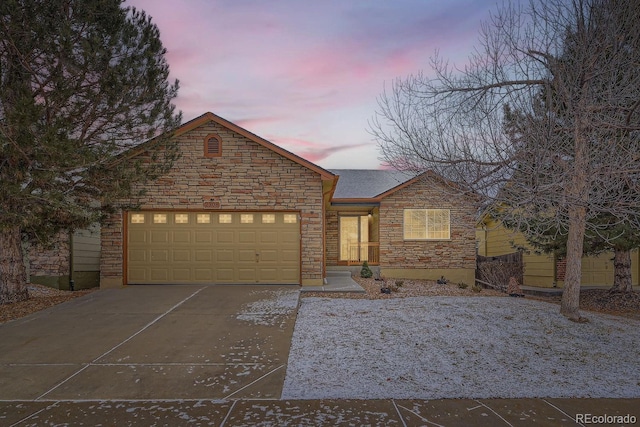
(353, 237)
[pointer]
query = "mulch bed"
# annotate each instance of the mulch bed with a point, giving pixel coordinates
(603, 301)
(40, 297)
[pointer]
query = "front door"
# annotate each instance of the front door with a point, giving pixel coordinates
(354, 234)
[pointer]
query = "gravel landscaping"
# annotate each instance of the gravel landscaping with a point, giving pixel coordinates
(458, 347)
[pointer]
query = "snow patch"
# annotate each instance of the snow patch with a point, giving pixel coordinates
(273, 309)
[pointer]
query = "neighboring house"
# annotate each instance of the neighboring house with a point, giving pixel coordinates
(543, 270)
(69, 259)
(236, 208)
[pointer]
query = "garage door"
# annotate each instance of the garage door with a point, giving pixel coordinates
(213, 247)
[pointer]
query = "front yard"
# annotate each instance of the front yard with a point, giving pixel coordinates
(457, 347)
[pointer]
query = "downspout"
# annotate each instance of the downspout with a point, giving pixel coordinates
(71, 281)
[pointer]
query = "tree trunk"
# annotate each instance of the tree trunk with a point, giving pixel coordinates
(13, 275)
(622, 271)
(578, 196)
(570, 304)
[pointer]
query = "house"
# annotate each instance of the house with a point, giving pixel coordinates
(545, 270)
(236, 208)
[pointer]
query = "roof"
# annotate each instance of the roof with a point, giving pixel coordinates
(367, 183)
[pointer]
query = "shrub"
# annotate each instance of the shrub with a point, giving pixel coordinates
(463, 285)
(476, 288)
(366, 272)
(399, 283)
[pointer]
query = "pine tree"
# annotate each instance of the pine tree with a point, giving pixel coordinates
(81, 81)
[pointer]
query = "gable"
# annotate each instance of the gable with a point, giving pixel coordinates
(212, 118)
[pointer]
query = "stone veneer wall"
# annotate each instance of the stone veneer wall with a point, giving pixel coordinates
(247, 176)
(332, 237)
(50, 265)
(439, 256)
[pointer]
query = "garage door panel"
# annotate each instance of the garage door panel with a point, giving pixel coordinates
(138, 275)
(159, 255)
(181, 247)
(225, 275)
(137, 255)
(268, 237)
(289, 256)
(246, 275)
(181, 255)
(202, 256)
(203, 236)
(247, 255)
(289, 274)
(181, 275)
(224, 255)
(138, 236)
(182, 236)
(161, 236)
(203, 274)
(223, 237)
(289, 237)
(268, 274)
(247, 237)
(159, 274)
(269, 255)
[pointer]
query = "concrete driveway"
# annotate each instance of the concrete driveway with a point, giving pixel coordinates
(152, 342)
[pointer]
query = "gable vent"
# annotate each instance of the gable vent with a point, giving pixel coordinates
(213, 145)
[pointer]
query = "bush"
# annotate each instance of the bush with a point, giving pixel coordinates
(476, 288)
(366, 272)
(399, 283)
(463, 285)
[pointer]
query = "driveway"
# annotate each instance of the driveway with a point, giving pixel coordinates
(152, 342)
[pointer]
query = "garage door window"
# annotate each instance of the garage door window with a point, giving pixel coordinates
(203, 219)
(224, 219)
(246, 219)
(181, 218)
(290, 218)
(268, 218)
(159, 218)
(137, 218)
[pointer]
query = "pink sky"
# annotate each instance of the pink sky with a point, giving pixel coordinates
(305, 74)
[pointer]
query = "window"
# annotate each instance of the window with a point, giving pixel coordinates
(159, 218)
(268, 218)
(137, 218)
(224, 219)
(182, 218)
(290, 218)
(203, 219)
(212, 145)
(246, 219)
(425, 224)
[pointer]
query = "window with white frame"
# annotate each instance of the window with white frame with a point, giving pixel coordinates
(427, 224)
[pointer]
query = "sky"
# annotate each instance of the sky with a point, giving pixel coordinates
(305, 74)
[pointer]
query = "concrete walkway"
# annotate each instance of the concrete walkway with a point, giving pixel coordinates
(250, 412)
(208, 355)
(336, 281)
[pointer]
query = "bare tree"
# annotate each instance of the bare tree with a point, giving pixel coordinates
(569, 70)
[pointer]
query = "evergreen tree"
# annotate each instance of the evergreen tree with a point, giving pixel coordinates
(81, 81)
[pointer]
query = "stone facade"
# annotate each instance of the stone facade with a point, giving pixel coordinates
(247, 176)
(332, 239)
(454, 258)
(50, 261)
